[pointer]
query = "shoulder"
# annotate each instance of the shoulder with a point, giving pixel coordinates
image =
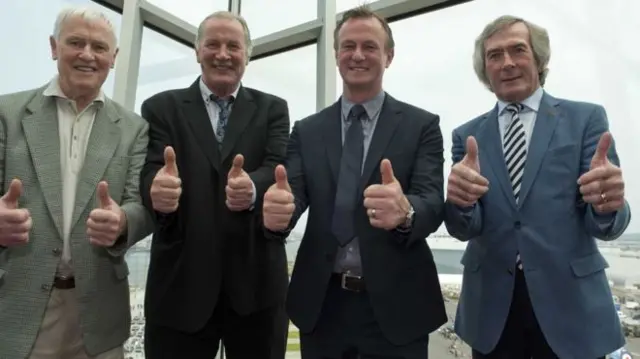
(577, 108)
(264, 97)
(14, 103)
(129, 118)
(413, 112)
(166, 98)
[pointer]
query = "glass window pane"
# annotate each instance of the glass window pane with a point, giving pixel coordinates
(586, 65)
(34, 66)
(191, 11)
(289, 13)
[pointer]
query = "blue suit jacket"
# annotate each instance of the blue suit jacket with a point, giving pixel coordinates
(551, 227)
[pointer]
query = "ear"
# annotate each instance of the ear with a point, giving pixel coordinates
(197, 51)
(390, 54)
(54, 48)
(115, 55)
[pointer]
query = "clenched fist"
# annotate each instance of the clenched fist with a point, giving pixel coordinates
(465, 185)
(166, 187)
(239, 188)
(106, 222)
(278, 206)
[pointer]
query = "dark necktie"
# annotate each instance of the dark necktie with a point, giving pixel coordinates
(223, 115)
(343, 225)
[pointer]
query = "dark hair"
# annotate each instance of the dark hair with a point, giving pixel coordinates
(363, 12)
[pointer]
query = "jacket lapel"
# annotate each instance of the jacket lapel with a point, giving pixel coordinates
(195, 113)
(546, 121)
(491, 154)
(103, 142)
(40, 126)
(332, 135)
(388, 120)
(241, 115)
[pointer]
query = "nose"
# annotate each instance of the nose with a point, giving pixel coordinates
(87, 54)
(508, 61)
(357, 55)
(223, 53)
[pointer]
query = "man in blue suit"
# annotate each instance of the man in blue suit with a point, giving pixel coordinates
(534, 182)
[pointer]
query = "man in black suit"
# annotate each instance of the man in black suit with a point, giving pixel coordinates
(364, 284)
(212, 152)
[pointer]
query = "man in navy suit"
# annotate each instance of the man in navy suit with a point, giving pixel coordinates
(369, 168)
(534, 182)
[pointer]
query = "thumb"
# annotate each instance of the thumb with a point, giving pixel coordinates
(600, 157)
(386, 171)
(10, 198)
(236, 169)
(170, 161)
(281, 178)
(103, 195)
(471, 158)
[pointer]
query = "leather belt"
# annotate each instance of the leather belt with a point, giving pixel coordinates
(64, 282)
(350, 282)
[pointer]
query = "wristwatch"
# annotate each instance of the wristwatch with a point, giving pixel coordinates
(408, 222)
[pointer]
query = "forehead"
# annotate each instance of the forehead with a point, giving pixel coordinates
(216, 28)
(511, 35)
(360, 29)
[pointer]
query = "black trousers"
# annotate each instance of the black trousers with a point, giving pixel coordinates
(521, 337)
(259, 335)
(347, 329)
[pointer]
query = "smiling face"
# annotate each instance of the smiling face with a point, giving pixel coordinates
(222, 54)
(362, 54)
(510, 64)
(85, 51)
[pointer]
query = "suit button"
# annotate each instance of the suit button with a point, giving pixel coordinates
(517, 225)
(45, 287)
(56, 252)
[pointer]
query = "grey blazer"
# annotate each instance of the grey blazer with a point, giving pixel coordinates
(29, 151)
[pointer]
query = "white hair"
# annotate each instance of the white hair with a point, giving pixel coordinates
(85, 13)
(227, 15)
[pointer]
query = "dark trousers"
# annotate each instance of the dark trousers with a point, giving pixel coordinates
(521, 337)
(258, 335)
(347, 329)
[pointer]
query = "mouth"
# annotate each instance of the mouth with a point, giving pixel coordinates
(511, 79)
(221, 67)
(358, 69)
(85, 68)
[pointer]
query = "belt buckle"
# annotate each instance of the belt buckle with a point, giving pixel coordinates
(343, 281)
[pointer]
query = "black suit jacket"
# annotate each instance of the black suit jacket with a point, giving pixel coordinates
(203, 248)
(399, 270)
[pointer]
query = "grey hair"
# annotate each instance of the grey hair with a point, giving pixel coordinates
(85, 13)
(227, 15)
(538, 38)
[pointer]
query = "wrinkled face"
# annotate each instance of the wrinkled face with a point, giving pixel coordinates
(510, 65)
(362, 55)
(222, 53)
(85, 52)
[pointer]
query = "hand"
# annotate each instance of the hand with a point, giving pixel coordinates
(278, 205)
(603, 185)
(239, 187)
(107, 222)
(465, 184)
(15, 223)
(386, 204)
(167, 186)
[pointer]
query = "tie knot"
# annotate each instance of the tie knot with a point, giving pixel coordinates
(515, 108)
(222, 102)
(357, 112)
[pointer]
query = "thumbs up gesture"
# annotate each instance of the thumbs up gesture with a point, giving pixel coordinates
(465, 184)
(15, 223)
(386, 204)
(278, 206)
(240, 187)
(166, 187)
(107, 221)
(603, 186)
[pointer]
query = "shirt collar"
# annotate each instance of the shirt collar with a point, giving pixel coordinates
(372, 107)
(54, 90)
(206, 93)
(532, 102)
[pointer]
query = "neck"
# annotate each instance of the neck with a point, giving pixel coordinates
(360, 94)
(82, 99)
(222, 91)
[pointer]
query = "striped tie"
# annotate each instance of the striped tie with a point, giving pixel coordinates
(515, 148)
(515, 153)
